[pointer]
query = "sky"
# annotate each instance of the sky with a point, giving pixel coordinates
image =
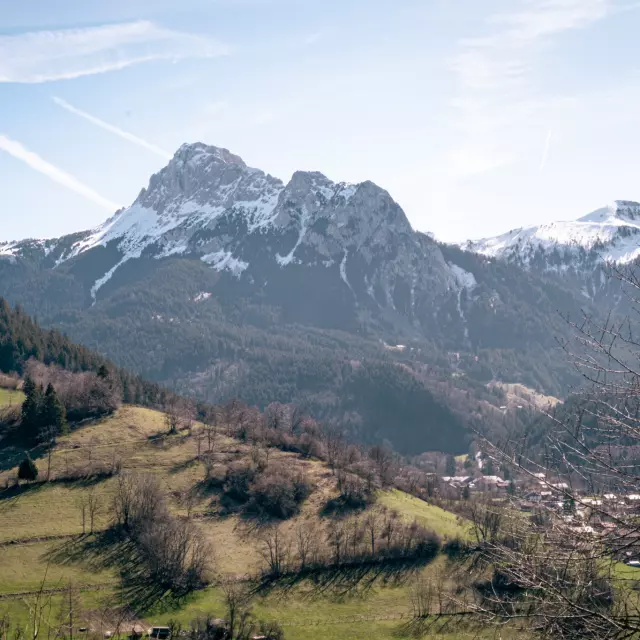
(478, 116)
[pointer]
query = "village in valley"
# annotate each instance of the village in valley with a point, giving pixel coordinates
(550, 500)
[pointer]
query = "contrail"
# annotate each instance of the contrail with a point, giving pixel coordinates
(113, 129)
(17, 150)
(545, 153)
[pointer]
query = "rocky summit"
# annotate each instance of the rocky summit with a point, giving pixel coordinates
(215, 257)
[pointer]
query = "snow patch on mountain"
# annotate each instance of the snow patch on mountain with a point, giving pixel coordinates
(100, 282)
(343, 269)
(611, 234)
(8, 250)
(464, 279)
(283, 261)
(225, 261)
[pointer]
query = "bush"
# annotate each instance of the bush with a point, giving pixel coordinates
(455, 548)
(355, 493)
(427, 544)
(238, 480)
(279, 493)
(28, 469)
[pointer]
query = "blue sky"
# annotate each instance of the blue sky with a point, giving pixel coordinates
(477, 116)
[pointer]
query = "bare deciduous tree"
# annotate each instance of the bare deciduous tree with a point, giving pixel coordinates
(560, 570)
(93, 507)
(275, 550)
(305, 542)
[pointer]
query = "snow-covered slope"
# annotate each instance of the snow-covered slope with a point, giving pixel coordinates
(610, 234)
(208, 204)
(309, 252)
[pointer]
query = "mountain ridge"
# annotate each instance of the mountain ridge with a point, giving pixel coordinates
(221, 280)
(608, 234)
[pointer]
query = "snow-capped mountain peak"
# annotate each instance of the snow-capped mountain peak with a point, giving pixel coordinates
(207, 203)
(609, 234)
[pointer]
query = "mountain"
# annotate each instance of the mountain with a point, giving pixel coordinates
(207, 204)
(578, 250)
(222, 280)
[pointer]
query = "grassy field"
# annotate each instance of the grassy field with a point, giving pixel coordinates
(10, 397)
(445, 523)
(135, 439)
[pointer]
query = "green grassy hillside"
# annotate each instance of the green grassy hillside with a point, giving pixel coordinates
(41, 541)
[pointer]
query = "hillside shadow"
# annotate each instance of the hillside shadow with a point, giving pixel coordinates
(344, 580)
(341, 508)
(18, 490)
(12, 453)
(184, 465)
(450, 621)
(72, 482)
(111, 549)
(90, 480)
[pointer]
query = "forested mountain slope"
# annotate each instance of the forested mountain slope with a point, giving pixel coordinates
(224, 281)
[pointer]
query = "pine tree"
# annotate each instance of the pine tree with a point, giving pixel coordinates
(27, 469)
(53, 411)
(28, 386)
(31, 408)
(488, 468)
(569, 504)
(450, 466)
(103, 372)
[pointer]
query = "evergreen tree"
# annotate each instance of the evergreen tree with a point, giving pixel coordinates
(31, 407)
(488, 469)
(27, 469)
(569, 504)
(103, 372)
(466, 493)
(450, 466)
(53, 412)
(28, 386)
(511, 489)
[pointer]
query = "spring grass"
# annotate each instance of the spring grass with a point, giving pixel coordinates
(135, 439)
(11, 397)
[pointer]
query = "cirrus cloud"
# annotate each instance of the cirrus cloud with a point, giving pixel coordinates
(39, 164)
(44, 56)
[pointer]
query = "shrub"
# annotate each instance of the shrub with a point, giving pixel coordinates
(278, 492)
(455, 548)
(27, 469)
(310, 446)
(238, 480)
(354, 492)
(427, 544)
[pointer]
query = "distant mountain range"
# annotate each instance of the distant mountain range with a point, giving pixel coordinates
(223, 280)
(577, 250)
(608, 234)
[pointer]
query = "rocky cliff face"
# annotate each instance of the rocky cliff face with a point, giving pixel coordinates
(312, 253)
(208, 204)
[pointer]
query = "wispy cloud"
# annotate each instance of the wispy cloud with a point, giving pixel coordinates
(545, 153)
(44, 56)
(113, 129)
(20, 152)
(496, 105)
